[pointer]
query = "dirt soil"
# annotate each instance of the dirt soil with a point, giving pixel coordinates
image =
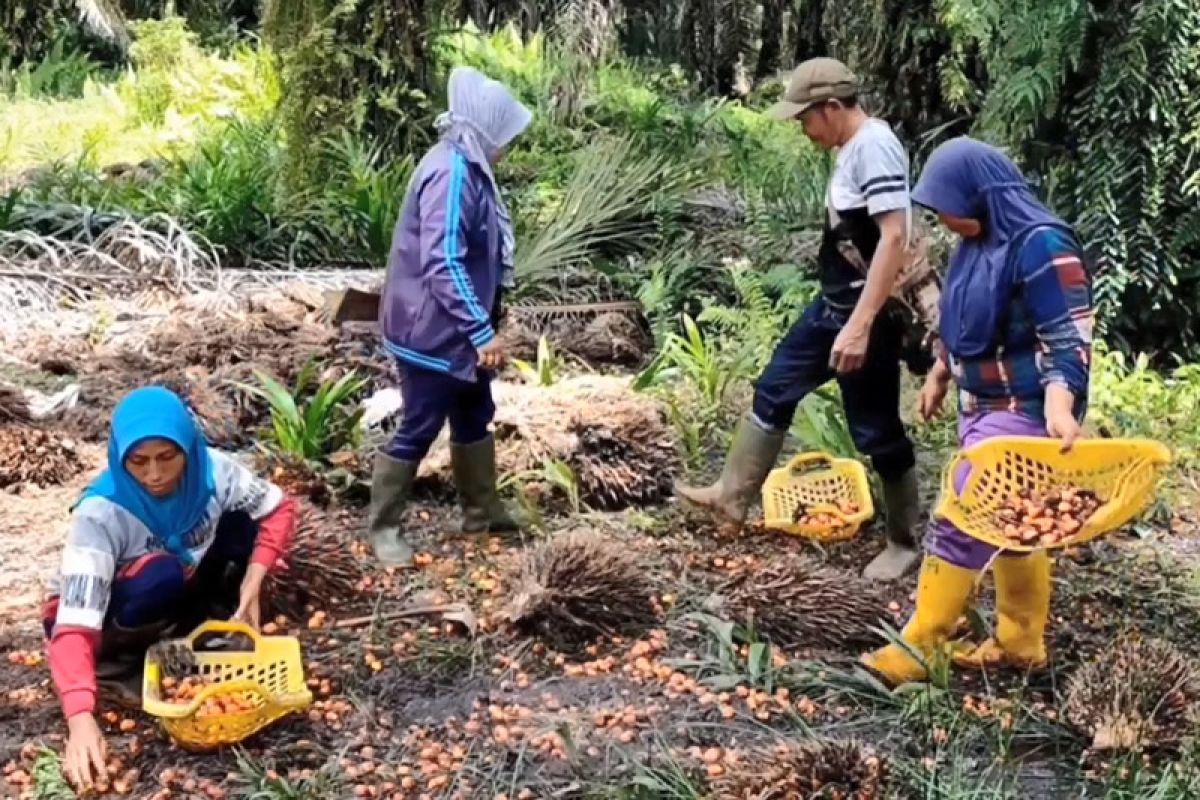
(453, 705)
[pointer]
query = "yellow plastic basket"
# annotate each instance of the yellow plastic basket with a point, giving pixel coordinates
(272, 676)
(1123, 473)
(818, 482)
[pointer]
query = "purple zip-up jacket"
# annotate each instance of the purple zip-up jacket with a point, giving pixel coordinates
(444, 268)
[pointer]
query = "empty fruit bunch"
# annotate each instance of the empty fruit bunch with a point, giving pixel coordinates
(1046, 518)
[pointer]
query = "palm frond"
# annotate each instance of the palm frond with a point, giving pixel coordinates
(608, 208)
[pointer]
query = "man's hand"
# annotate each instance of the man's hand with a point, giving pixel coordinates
(933, 393)
(850, 347)
(86, 752)
(492, 355)
(1060, 416)
(249, 608)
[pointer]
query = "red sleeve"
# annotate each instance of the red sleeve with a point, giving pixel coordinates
(72, 657)
(275, 533)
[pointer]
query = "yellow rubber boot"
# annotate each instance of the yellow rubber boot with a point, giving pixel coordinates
(943, 591)
(1022, 606)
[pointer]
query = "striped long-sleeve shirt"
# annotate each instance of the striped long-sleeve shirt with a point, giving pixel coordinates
(1045, 335)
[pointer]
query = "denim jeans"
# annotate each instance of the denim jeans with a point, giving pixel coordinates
(871, 394)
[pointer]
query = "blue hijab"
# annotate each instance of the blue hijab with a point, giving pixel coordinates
(156, 412)
(967, 178)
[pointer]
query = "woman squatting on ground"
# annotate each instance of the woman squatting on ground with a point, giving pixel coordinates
(1016, 334)
(171, 534)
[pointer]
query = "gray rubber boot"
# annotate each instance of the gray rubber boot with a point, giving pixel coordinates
(751, 457)
(902, 502)
(474, 467)
(391, 482)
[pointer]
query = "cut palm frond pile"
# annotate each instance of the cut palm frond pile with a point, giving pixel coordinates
(267, 339)
(35, 456)
(618, 444)
(67, 253)
(580, 585)
(13, 405)
(595, 333)
(797, 603)
(204, 350)
(833, 769)
(1137, 694)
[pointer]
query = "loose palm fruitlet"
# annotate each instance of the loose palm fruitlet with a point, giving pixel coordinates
(1046, 518)
(182, 692)
(805, 515)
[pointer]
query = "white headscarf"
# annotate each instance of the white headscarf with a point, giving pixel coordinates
(483, 118)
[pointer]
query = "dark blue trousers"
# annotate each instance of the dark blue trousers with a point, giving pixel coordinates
(871, 394)
(433, 398)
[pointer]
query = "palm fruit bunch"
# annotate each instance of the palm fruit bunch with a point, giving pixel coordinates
(1138, 693)
(796, 602)
(625, 459)
(580, 585)
(33, 455)
(836, 770)
(323, 570)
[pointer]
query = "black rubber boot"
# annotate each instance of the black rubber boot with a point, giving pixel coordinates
(391, 482)
(474, 468)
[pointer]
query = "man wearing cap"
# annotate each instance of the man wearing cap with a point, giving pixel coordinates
(846, 333)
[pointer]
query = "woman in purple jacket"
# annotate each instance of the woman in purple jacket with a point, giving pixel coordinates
(450, 260)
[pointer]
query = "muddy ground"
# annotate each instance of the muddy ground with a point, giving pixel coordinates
(423, 707)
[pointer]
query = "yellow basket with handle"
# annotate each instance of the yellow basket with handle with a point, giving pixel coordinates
(1122, 473)
(269, 679)
(817, 484)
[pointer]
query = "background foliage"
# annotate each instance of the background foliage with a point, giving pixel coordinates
(1098, 100)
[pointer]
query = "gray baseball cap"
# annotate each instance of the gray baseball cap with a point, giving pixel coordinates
(816, 81)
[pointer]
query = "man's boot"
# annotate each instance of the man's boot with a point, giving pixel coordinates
(943, 591)
(391, 482)
(901, 501)
(751, 457)
(1022, 607)
(474, 467)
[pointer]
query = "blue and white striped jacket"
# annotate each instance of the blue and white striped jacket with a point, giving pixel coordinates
(444, 269)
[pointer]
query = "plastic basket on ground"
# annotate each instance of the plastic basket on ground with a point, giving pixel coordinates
(268, 680)
(1121, 473)
(818, 496)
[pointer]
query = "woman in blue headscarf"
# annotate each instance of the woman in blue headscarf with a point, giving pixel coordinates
(170, 534)
(1016, 333)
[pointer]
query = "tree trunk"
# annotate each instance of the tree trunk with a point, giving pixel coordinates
(808, 31)
(770, 39)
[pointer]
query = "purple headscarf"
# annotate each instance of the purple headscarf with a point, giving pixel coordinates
(966, 178)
